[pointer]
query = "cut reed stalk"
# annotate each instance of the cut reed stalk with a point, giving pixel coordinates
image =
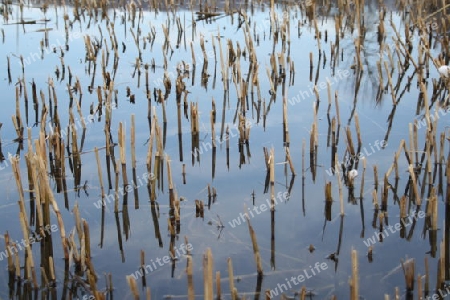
(336, 102)
(133, 142)
(218, 287)
(256, 253)
(289, 160)
(190, 280)
(355, 277)
(341, 195)
(272, 179)
(9, 253)
(361, 194)
(30, 272)
(100, 175)
(358, 130)
(350, 147)
(375, 176)
(122, 147)
(375, 200)
(170, 180)
(414, 185)
(143, 271)
(408, 267)
(133, 286)
(286, 137)
(208, 274)
(233, 291)
(116, 187)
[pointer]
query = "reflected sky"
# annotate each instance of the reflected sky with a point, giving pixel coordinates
(299, 220)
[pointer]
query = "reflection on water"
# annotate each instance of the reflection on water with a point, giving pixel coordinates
(181, 149)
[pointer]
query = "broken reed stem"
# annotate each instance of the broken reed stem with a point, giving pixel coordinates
(208, 274)
(78, 227)
(375, 199)
(133, 142)
(391, 86)
(396, 156)
(403, 211)
(409, 271)
(193, 54)
(336, 102)
(194, 118)
(272, 87)
(218, 287)
(150, 147)
(9, 253)
(18, 179)
(256, 253)
(350, 147)
(29, 261)
(358, 130)
(223, 64)
(289, 160)
(116, 187)
(355, 277)
(190, 281)
(361, 194)
(133, 286)
(272, 179)
(375, 176)
(83, 123)
(313, 139)
(87, 247)
(328, 196)
(212, 117)
(441, 268)
(341, 195)
(100, 177)
(414, 185)
(233, 291)
(121, 138)
(285, 123)
(170, 180)
(433, 207)
(303, 157)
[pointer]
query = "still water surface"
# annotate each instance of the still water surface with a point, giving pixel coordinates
(299, 219)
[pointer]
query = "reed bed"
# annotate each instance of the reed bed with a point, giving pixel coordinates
(56, 154)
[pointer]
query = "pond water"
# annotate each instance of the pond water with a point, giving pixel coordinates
(258, 58)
